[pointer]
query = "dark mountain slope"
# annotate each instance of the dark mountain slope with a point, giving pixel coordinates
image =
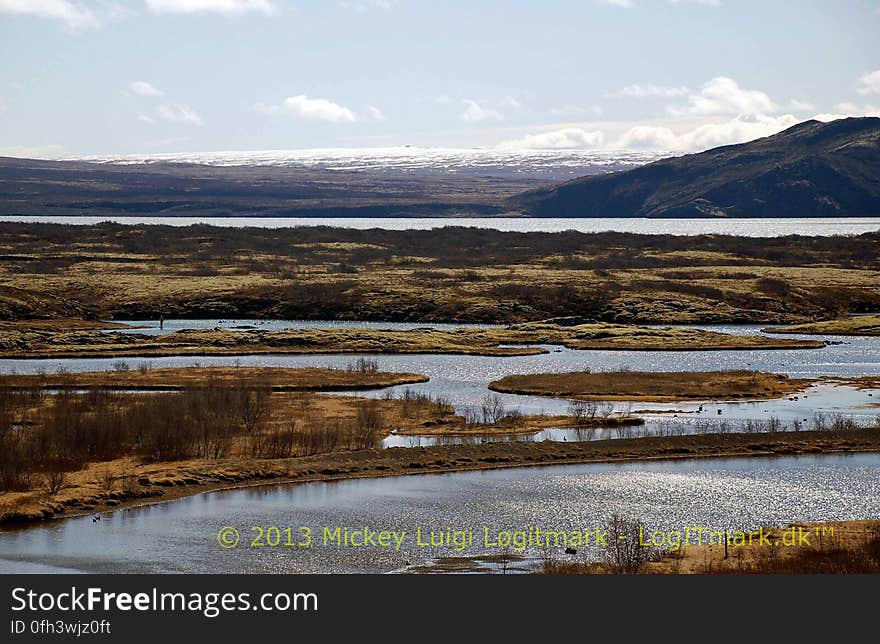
(810, 170)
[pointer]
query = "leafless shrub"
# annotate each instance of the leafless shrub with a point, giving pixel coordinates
(55, 481)
(624, 552)
(364, 365)
(582, 409)
(368, 423)
(492, 408)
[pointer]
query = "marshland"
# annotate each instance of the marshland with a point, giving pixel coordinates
(144, 365)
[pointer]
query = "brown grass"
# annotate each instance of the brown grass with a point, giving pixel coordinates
(839, 547)
(453, 274)
(138, 482)
(652, 386)
(171, 379)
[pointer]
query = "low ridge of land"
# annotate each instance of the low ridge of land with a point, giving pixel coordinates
(514, 340)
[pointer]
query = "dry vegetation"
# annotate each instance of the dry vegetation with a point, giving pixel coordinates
(363, 374)
(840, 547)
(451, 274)
(214, 413)
(127, 481)
(22, 343)
(855, 325)
(652, 386)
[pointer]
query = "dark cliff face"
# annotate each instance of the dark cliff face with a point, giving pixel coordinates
(810, 170)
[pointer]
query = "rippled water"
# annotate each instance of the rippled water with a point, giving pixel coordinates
(181, 536)
(740, 227)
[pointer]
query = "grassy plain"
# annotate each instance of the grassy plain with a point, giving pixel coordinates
(452, 274)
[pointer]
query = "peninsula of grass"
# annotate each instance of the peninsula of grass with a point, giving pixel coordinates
(654, 386)
(145, 378)
(855, 325)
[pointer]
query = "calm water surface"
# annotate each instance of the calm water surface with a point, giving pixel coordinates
(742, 227)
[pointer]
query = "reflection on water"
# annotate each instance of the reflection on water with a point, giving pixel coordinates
(181, 536)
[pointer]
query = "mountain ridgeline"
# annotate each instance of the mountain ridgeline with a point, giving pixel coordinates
(813, 169)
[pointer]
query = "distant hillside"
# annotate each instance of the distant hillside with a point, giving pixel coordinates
(405, 182)
(810, 170)
(72, 188)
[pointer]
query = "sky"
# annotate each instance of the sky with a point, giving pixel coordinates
(93, 77)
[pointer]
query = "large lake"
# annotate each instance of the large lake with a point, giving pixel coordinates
(743, 227)
(180, 536)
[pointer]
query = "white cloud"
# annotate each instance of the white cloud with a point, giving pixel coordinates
(33, 152)
(723, 95)
(474, 111)
(563, 139)
(375, 113)
(869, 83)
(846, 110)
(738, 130)
(650, 90)
(229, 7)
(625, 4)
(710, 135)
(707, 3)
(144, 118)
(315, 109)
(74, 15)
(648, 137)
(143, 88)
(177, 113)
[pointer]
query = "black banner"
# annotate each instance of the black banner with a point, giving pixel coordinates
(230, 607)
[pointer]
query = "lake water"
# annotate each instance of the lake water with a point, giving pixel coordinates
(180, 536)
(742, 227)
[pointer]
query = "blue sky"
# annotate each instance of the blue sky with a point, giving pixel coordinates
(137, 76)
